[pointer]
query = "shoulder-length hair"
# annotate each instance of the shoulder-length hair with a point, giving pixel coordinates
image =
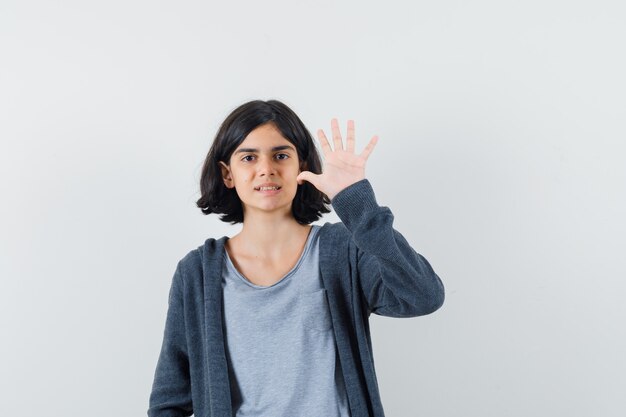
(308, 204)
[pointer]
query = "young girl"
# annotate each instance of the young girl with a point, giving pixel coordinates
(274, 321)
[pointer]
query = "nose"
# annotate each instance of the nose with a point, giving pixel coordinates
(266, 167)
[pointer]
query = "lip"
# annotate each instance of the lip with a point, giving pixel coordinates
(269, 192)
(267, 184)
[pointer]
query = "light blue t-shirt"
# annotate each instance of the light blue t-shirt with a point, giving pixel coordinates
(280, 345)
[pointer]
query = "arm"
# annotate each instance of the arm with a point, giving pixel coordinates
(396, 281)
(171, 389)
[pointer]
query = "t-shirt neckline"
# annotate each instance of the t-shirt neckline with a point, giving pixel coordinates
(305, 251)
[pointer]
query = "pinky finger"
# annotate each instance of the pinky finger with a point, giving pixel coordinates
(369, 148)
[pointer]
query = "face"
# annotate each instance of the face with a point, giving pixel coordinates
(263, 171)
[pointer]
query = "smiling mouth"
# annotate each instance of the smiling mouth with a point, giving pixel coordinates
(267, 188)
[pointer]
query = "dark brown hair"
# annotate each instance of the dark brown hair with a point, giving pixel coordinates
(308, 204)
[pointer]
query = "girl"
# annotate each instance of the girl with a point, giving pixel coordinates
(274, 321)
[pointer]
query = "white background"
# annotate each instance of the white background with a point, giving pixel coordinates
(501, 154)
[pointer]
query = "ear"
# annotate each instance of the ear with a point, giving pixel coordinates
(226, 175)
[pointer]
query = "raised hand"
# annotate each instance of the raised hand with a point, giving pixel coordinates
(342, 167)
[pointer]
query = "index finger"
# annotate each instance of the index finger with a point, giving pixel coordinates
(324, 142)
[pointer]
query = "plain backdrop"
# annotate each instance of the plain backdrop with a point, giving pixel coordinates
(501, 155)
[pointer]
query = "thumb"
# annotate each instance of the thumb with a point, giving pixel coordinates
(307, 176)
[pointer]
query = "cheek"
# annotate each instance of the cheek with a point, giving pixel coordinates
(243, 178)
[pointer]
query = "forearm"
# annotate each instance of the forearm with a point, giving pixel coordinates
(395, 279)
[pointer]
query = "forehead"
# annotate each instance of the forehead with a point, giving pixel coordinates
(264, 137)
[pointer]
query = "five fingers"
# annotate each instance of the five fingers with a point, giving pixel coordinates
(350, 140)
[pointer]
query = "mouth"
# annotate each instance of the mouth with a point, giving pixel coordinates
(267, 188)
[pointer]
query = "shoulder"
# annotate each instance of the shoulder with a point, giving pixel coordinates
(333, 231)
(194, 262)
(335, 241)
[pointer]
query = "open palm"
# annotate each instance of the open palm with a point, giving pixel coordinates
(342, 167)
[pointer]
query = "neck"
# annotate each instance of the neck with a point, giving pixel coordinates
(270, 235)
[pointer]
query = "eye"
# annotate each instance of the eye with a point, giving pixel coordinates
(282, 156)
(245, 158)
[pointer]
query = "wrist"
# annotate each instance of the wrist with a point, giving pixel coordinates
(341, 188)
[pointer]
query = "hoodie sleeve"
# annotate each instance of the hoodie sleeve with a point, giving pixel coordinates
(171, 389)
(396, 280)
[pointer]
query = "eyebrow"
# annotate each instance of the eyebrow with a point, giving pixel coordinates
(274, 149)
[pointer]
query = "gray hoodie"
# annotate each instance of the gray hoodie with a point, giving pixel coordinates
(366, 267)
